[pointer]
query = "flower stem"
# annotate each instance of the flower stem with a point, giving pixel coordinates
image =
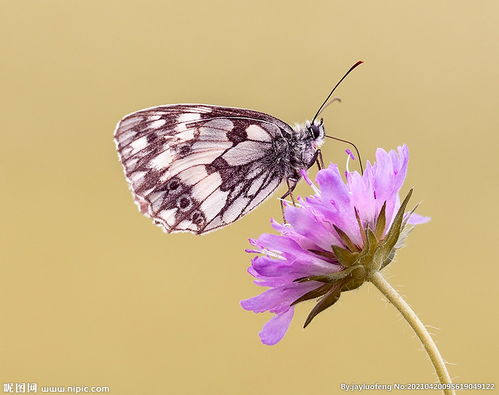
(431, 348)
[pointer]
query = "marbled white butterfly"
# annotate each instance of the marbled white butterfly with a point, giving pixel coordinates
(196, 167)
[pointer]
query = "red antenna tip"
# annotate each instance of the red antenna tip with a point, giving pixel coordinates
(358, 63)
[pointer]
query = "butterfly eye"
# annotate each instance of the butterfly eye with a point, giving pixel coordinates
(315, 130)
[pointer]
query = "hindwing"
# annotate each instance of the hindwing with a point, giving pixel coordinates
(196, 168)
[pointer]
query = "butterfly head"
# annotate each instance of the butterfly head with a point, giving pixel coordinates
(315, 132)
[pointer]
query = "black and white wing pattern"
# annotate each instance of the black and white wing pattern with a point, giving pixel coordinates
(196, 168)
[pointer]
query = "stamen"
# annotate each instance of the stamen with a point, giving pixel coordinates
(309, 182)
(350, 153)
(349, 156)
(290, 203)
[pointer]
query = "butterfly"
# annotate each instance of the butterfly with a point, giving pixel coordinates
(197, 167)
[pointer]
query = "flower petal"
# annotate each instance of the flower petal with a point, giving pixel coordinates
(274, 330)
(390, 171)
(276, 243)
(332, 186)
(278, 300)
(307, 225)
(416, 219)
(268, 267)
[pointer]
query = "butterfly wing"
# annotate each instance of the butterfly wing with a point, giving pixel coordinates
(197, 168)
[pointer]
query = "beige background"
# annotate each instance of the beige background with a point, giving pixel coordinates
(93, 294)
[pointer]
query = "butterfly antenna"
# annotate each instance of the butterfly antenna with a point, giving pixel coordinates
(337, 84)
(354, 146)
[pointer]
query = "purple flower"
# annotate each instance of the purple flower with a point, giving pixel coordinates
(331, 241)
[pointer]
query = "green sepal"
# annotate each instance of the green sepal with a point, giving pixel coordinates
(315, 293)
(344, 256)
(328, 278)
(356, 279)
(372, 241)
(385, 252)
(346, 240)
(325, 254)
(409, 216)
(370, 251)
(330, 298)
(361, 227)
(381, 222)
(394, 232)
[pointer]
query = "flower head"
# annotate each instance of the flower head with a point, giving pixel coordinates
(332, 240)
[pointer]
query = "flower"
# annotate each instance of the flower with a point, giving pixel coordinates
(331, 241)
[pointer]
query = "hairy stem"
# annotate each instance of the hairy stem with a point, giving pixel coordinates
(410, 316)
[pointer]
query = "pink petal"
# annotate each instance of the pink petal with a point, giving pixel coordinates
(274, 330)
(416, 219)
(307, 225)
(278, 300)
(332, 186)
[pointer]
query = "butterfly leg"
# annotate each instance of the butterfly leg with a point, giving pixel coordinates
(291, 183)
(319, 160)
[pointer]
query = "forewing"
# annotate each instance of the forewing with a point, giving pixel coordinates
(198, 167)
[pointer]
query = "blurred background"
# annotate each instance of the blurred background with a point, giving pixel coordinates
(93, 294)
